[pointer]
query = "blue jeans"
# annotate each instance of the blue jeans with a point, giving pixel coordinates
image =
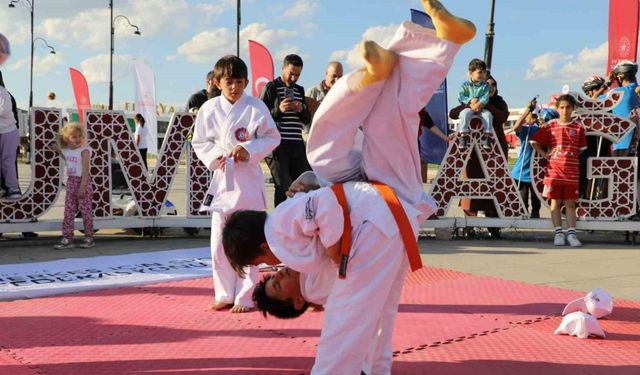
(465, 119)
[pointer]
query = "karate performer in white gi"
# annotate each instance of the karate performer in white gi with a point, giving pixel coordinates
(304, 231)
(233, 132)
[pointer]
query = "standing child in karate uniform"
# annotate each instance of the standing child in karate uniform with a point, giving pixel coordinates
(233, 132)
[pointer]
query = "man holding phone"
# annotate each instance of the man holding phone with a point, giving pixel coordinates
(286, 102)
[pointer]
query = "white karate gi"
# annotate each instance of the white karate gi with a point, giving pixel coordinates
(360, 310)
(387, 111)
(220, 126)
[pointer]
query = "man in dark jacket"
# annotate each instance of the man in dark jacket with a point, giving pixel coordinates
(286, 102)
(199, 98)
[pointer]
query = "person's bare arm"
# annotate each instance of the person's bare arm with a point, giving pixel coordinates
(85, 174)
(541, 150)
(521, 120)
(435, 130)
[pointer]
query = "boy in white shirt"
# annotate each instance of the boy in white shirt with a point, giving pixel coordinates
(233, 132)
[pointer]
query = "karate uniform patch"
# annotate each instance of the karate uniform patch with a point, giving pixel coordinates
(242, 135)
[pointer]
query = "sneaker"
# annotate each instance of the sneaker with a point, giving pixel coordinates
(14, 194)
(2, 193)
(573, 240)
(87, 243)
(558, 240)
(486, 143)
(464, 141)
(64, 244)
(535, 215)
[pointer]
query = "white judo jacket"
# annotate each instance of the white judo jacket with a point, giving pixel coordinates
(220, 126)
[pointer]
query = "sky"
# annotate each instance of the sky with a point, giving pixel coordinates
(538, 46)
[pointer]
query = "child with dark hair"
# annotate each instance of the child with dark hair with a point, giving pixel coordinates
(232, 133)
(305, 232)
(560, 142)
(474, 93)
(525, 128)
(141, 136)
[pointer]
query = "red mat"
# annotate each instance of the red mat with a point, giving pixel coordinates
(449, 323)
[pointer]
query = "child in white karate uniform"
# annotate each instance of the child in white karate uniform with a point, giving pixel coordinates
(302, 232)
(233, 132)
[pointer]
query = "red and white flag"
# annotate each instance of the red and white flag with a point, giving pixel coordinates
(261, 66)
(80, 91)
(623, 31)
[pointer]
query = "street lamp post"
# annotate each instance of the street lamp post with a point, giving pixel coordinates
(238, 30)
(488, 45)
(31, 4)
(137, 32)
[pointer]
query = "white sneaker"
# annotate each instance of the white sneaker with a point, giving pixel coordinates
(573, 240)
(558, 240)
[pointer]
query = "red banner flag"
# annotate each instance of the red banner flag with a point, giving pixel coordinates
(261, 66)
(623, 31)
(80, 91)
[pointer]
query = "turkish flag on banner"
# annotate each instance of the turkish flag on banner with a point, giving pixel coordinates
(80, 91)
(261, 66)
(623, 31)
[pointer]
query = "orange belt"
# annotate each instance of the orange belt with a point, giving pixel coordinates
(408, 238)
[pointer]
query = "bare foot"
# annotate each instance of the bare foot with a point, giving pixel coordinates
(215, 306)
(448, 26)
(379, 62)
(237, 309)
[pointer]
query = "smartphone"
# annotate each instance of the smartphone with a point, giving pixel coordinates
(291, 94)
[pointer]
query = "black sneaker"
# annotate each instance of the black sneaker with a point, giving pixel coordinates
(486, 143)
(464, 141)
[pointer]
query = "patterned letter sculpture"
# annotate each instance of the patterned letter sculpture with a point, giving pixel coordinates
(497, 184)
(620, 200)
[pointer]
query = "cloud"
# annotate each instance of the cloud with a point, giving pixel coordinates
(208, 46)
(302, 10)
(15, 24)
(41, 65)
(563, 67)
(96, 69)
(380, 34)
(90, 28)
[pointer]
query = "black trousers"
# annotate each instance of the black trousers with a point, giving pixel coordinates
(143, 153)
(526, 191)
(286, 163)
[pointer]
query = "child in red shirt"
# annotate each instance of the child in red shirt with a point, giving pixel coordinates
(560, 142)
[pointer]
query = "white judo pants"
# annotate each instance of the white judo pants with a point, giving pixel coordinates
(227, 285)
(387, 111)
(360, 311)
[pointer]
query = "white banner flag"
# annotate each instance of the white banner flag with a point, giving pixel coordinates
(146, 102)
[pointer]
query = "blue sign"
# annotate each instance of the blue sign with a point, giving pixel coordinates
(432, 148)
